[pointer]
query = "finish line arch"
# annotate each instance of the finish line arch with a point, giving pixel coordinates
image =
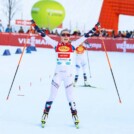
(110, 11)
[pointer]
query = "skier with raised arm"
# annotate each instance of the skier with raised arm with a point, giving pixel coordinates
(64, 69)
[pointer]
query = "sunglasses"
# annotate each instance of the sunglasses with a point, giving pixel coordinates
(65, 34)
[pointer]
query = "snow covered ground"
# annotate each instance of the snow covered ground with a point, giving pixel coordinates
(99, 109)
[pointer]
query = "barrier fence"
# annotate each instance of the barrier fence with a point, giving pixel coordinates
(112, 44)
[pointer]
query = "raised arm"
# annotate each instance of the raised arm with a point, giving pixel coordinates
(43, 35)
(88, 34)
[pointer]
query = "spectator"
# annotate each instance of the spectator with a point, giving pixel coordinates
(77, 33)
(123, 34)
(119, 34)
(8, 29)
(132, 35)
(21, 30)
(56, 32)
(128, 34)
(113, 34)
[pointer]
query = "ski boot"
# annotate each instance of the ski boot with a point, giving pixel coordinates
(76, 120)
(44, 119)
(86, 84)
(74, 84)
(45, 113)
(74, 114)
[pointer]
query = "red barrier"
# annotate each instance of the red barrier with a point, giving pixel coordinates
(117, 45)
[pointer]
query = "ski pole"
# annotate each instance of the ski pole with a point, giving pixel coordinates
(90, 33)
(110, 68)
(88, 62)
(18, 65)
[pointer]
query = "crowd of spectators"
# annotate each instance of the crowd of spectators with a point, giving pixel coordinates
(103, 33)
(111, 33)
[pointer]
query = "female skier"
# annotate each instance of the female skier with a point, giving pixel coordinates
(81, 63)
(63, 72)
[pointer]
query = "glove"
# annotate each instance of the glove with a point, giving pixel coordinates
(42, 33)
(91, 32)
(97, 25)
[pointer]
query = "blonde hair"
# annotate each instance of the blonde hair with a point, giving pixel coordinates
(64, 30)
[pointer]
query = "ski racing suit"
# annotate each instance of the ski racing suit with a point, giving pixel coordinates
(80, 62)
(64, 67)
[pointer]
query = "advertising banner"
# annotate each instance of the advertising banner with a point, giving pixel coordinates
(111, 44)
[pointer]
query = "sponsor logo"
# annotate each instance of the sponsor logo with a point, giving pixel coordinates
(31, 40)
(81, 48)
(53, 12)
(95, 45)
(64, 48)
(35, 9)
(23, 22)
(63, 55)
(124, 46)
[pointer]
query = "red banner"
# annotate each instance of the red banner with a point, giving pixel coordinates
(23, 22)
(111, 44)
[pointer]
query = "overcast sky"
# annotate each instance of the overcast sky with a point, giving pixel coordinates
(80, 14)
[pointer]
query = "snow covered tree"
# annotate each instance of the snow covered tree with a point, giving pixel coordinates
(9, 8)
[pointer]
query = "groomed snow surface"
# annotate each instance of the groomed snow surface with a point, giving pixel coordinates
(99, 109)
